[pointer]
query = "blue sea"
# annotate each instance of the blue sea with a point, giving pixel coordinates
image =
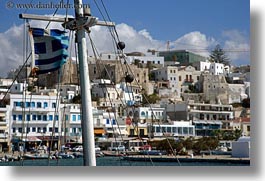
(111, 161)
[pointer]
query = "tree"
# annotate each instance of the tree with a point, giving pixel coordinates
(219, 56)
(246, 103)
(151, 99)
(76, 99)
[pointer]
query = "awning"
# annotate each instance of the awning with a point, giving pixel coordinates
(99, 131)
(31, 139)
(123, 132)
(207, 122)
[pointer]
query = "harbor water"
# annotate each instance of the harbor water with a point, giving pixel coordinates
(113, 161)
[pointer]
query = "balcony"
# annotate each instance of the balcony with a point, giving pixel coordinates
(34, 109)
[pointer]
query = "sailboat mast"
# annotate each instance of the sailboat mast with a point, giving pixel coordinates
(87, 115)
(81, 24)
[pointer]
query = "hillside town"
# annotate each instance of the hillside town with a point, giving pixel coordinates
(175, 93)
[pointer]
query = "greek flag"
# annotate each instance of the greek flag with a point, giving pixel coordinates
(49, 49)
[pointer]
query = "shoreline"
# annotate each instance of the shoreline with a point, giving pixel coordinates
(206, 158)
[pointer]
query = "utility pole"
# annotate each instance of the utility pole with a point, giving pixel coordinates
(81, 24)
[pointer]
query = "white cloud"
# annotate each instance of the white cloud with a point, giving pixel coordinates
(196, 42)
(237, 46)
(134, 41)
(11, 42)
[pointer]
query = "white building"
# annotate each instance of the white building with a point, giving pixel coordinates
(169, 74)
(154, 113)
(178, 128)
(209, 117)
(35, 115)
(202, 66)
(4, 128)
(213, 67)
(68, 92)
(241, 147)
(4, 84)
(145, 59)
(216, 68)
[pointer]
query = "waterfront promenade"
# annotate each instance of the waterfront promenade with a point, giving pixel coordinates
(204, 158)
(167, 158)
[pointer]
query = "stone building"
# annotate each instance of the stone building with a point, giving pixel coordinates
(215, 88)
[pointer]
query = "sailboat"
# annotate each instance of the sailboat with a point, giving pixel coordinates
(81, 24)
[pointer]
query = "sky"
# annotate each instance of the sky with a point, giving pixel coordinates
(196, 25)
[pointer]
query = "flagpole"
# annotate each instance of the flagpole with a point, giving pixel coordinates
(87, 115)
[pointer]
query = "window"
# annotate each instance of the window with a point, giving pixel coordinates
(20, 117)
(39, 130)
(179, 130)
(39, 117)
(38, 104)
(27, 104)
(56, 117)
(15, 103)
(14, 130)
(107, 121)
(45, 104)
(50, 117)
(20, 130)
(44, 129)
(14, 117)
(185, 130)
(158, 130)
(34, 129)
(179, 78)
(78, 117)
(113, 122)
(32, 104)
(53, 105)
(190, 131)
(73, 117)
(44, 117)
(34, 117)
(28, 117)
(168, 129)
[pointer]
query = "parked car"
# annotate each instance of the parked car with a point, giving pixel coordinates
(78, 148)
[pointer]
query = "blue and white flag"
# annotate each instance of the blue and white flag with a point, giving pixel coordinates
(49, 49)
